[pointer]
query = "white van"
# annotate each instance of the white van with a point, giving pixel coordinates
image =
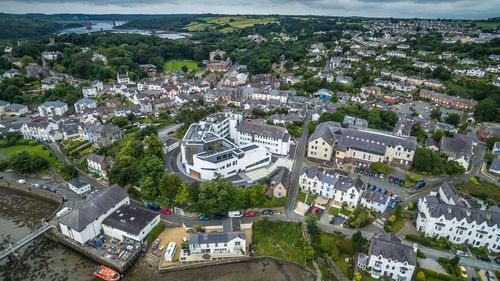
(170, 252)
(21, 181)
(234, 214)
(63, 212)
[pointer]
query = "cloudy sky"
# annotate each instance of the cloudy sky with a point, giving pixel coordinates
(466, 9)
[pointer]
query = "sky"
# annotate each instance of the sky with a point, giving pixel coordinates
(455, 9)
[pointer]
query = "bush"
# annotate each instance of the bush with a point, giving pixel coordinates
(33, 143)
(22, 142)
(431, 273)
(23, 162)
(155, 232)
(473, 180)
(4, 163)
(410, 206)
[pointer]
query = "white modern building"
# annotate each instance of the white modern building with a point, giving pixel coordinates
(275, 139)
(52, 108)
(331, 184)
(89, 91)
(205, 154)
(79, 186)
(460, 222)
(389, 258)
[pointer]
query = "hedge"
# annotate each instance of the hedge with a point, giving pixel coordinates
(426, 241)
(155, 232)
(434, 274)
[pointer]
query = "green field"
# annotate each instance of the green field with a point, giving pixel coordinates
(34, 150)
(487, 24)
(176, 65)
(233, 21)
(278, 239)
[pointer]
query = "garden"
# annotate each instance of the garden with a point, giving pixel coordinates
(359, 218)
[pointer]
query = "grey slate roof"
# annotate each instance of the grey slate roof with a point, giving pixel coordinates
(451, 193)
(56, 103)
(456, 145)
(231, 229)
(95, 158)
(78, 182)
(495, 165)
(15, 106)
(372, 140)
(326, 131)
(389, 247)
(130, 219)
(377, 197)
(282, 176)
(94, 207)
(263, 130)
(344, 185)
(431, 142)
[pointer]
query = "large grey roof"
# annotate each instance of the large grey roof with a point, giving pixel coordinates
(130, 219)
(94, 207)
(231, 230)
(378, 197)
(451, 193)
(456, 145)
(372, 140)
(344, 185)
(389, 247)
(326, 131)
(95, 158)
(78, 182)
(263, 130)
(495, 165)
(56, 103)
(282, 176)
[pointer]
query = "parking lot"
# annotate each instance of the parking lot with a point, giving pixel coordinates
(424, 108)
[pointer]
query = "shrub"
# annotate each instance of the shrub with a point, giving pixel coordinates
(4, 163)
(155, 232)
(473, 180)
(420, 276)
(33, 143)
(22, 142)
(410, 206)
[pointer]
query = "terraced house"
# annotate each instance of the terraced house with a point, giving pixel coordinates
(99, 135)
(448, 100)
(360, 146)
(451, 216)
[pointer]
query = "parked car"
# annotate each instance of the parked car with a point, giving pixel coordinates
(366, 172)
(218, 217)
(475, 279)
(315, 210)
(391, 179)
(497, 260)
(384, 191)
(21, 181)
(401, 183)
(390, 193)
(44, 187)
(356, 170)
(250, 214)
(235, 214)
(155, 244)
(393, 204)
(461, 253)
(395, 197)
(419, 184)
(35, 185)
(154, 207)
(64, 198)
(379, 189)
(22, 115)
(267, 212)
(382, 175)
(52, 189)
(483, 258)
(375, 175)
(370, 173)
(145, 204)
(204, 218)
(372, 187)
(396, 180)
(166, 212)
(463, 271)
(362, 170)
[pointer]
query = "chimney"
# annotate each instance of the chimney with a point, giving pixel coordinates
(415, 247)
(469, 211)
(488, 215)
(449, 209)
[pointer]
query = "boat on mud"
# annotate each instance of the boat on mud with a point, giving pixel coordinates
(107, 273)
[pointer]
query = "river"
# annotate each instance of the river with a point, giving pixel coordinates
(42, 259)
(108, 26)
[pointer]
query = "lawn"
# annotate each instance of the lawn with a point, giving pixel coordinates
(273, 203)
(327, 242)
(487, 24)
(176, 65)
(33, 150)
(333, 211)
(396, 226)
(278, 239)
(234, 23)
(483, 190)
(310, 198)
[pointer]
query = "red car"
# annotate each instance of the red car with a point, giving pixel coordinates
(165, 211)
(250, 214)
(390, 193)
(367, 172)
(315, 210)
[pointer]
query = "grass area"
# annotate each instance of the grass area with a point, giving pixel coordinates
(344, 267)
(484, 190)
(396, 226)
(310, 198)
(360, 217)
(345, 212)
(176, 65)
(278, 239)
(33, 150)
(234, 22)
(327, 242)
(487, 24)
(333, 211)
(273, 203)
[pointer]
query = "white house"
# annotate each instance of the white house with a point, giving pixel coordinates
(275, 139)
(452, 217)
(476, 72)
(231, 242)
(388, 257)
(85, 222)
(122, 78)
(97, 164)
(375, 201)
(41, 130)
(83, 104)
(52, 108)
(16, 109)
(130, 222)
(89, 91)
(79, 186)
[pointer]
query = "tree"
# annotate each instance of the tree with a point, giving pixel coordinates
(184, 69)
(380, 167)
(454, 261)
(169, 185)
(486, 110)
(398, 211)
(194, 191)
(358, 276)
(11, 138)
(149, 189)
(23, 162)
(218, 196)
(183, 194)
(418, 131)
(254, 196)
(120, 121)
(453, 119)
(491, 142)
(359, 241)
(453, 168)
(420, 276)
(309, 252)
(489, 157)
(132, 151)
(346, 247)
(25, 60)
(146, 131)
(438, 135)
(154, 146)
(312, 224)
(435, 114)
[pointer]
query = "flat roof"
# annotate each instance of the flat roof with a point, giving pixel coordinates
(130, 219)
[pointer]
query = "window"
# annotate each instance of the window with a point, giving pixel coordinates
(237, 243)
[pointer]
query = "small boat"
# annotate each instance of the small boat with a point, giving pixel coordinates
(106, 273)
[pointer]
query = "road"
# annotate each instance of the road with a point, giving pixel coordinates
(299, 158)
